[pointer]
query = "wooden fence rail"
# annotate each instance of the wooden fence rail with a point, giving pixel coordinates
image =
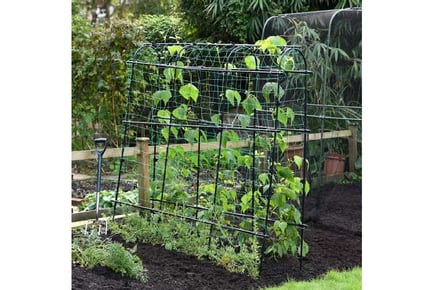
(350, 133)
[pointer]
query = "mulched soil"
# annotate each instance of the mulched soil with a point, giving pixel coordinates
(334, 236)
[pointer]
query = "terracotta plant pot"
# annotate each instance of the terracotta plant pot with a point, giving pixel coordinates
(334, 164)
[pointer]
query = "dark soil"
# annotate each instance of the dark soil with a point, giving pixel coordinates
(334, 237)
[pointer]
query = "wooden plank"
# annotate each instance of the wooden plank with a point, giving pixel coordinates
(133, 151)
(203, 146)
(109, 153)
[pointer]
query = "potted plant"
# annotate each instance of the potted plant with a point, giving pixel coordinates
(334, 160)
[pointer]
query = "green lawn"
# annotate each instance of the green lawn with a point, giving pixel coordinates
(333, 280)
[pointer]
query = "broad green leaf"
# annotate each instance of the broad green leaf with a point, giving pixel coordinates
(284, 171)
(286, 62)
(165, 133)
(190, 135)
(180, 112)
(232, 95)
(251, 61)
(281, 117)
(247, 161)
(263, 178)
(290, 114)
(281, 225)
(174, 131)
(272, 87)
(189, 91)
(175, 49)
(288, 192)
(164, 95)
(298, 161)
(251, 103)
(244, 120)
(164, 116)
(215, 119)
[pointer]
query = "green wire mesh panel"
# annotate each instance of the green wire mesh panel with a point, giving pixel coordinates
(216, 116)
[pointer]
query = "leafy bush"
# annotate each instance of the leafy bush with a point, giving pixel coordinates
(100, 73)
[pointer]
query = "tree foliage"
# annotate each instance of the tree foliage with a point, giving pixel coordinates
(241, 21)
(99, 70)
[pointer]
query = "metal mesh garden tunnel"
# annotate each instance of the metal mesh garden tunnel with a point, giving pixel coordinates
(215, 120)
(332, 45)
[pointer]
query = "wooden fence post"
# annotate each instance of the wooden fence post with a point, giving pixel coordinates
(143, 171)
(352, 148)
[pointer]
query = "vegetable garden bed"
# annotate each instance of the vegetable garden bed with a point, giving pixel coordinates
(334, 240)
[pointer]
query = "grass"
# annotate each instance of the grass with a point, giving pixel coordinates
(333, 280)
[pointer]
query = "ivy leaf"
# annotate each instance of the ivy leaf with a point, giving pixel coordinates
(164, 95)
(247, 160)
(189, 91)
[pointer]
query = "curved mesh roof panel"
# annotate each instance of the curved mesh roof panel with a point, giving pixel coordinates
(331, 24)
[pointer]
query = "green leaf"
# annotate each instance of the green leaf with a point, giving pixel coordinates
(174, 131)
(191, 135)
(263, 178)
(298, 161)
(251, 103)
(229, 66)
(284, 172)
(244, 120)
(180, 112)
(165, 133)
(175, 49)
(272, 87)
(164, 95)
(189, 91)
(164, 116)
(232, 95)
(286, 62)
(281, 117)
(215, 119)
(281, 225)
(290, 114)
(251, 61)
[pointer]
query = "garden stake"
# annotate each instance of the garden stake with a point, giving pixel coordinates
(100, 146)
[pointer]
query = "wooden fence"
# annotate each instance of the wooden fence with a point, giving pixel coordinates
(141, 150)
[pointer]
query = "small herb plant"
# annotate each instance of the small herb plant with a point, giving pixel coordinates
(107, 197)
(89, 250)
(184, 236)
